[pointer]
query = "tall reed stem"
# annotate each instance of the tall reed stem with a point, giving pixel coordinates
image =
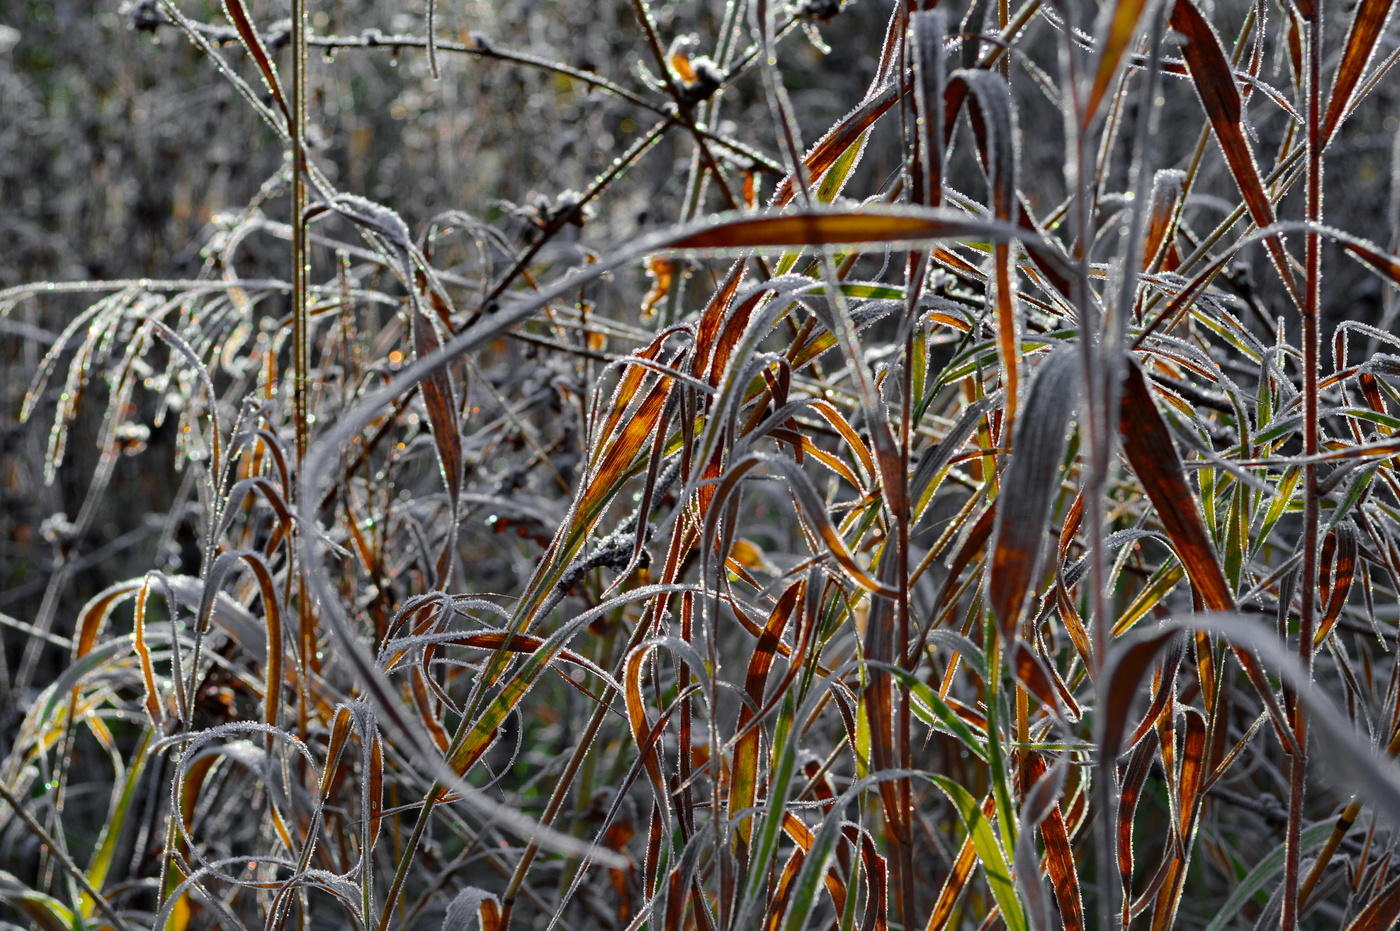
(1298, 765)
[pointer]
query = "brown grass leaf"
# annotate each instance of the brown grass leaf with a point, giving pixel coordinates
(1215, 85)
(1149, 448)
(1188, 810)
(1382, 912)
(846, 133)
(1120, 681)
(1161, 225)
(1059, 862)
(1339, 552)
(1030, 485)
(254, 44)
(843, 227)
(744, 787)
(1129, 793)
(1362, 37)
(440, 401)
(1115, 33)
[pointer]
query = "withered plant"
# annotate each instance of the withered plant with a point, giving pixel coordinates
(979, 509)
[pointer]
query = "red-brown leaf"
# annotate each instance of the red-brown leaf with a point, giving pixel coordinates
(1362, 37)
(1382, 912)
(1339, 551)
(1120, 681)
(841, 137)
(1059, 859)
(1030, 485)
(744, 783)
(1117, 31)
(1149, 448)
(1161, 225)
(1032, 674)
(1139, 765)
(1215, 84)
(253, 43)
(440, 400)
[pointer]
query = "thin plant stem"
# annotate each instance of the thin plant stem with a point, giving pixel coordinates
(1312, 428)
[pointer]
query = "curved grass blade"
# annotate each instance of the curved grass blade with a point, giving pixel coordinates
(1382, 912)
(1215, 84)
(847, 227)
(254, 44)
(1035, 677)
(1042, 800)
(1339, 559)
(993, 120)
(1262, 876)
(111, 830)
(813, 510)
(846, 135)
(1030, 484)
(478, 737)
(989, 852)
(1362, 37)
(1062, 870)
(1167, 189)
(439, 393)
(743, 786)
(46, 912)
(1149, 447)
(780, 787)
(1117, 26)
(958, 876)
(930, 708)
(38, 905)
(1122, 676)
(1192, 750)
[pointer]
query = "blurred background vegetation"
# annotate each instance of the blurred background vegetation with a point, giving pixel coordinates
(124, 154)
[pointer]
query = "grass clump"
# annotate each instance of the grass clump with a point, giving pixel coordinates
(652, 469)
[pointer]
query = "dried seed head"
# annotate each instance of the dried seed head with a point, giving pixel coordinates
(678, 58)
(707, 78)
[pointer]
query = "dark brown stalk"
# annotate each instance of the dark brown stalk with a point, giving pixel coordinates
(684, 106)
(696, 177)
(1311, 10)
(915, 270)
(301, 322)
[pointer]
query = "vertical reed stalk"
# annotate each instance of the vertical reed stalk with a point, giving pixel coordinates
(1311, 10)
(301, 330)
